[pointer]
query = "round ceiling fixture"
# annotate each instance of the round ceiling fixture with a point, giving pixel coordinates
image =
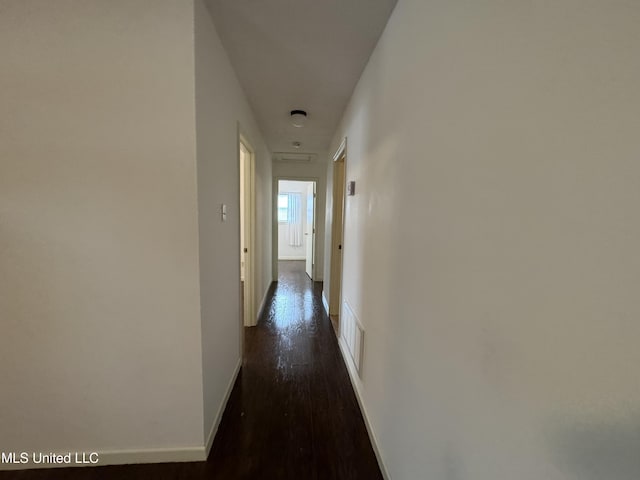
(298, 117)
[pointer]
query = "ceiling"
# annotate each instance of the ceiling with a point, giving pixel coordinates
(299, 54)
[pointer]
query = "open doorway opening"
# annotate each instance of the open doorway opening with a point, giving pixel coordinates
(337, 237)
(296, 220)
(247, 238)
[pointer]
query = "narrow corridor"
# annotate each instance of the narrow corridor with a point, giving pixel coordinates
(293, 413)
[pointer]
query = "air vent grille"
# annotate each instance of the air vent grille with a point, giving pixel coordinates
(294, 157)
(353, 335)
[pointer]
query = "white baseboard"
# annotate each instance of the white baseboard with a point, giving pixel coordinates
(353, 376)
(293, 257)
(164, 455)
(223, 405)
(262, 304)
(114, 457)
(325, 303)
(125, 457)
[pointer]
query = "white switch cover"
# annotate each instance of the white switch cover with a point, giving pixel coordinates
(223, 212)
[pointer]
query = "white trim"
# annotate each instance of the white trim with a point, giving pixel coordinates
(337, 238)
(156, 455)
(355, 382)
(291, 257)
(263, 302)
(164, 455)
(341, 151)
(325, 303)
(223, 405)
(120, 457)
(250, 231)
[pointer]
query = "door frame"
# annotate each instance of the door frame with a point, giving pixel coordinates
(313, 186)
(274, 217)
(248, 318)
(337, 235)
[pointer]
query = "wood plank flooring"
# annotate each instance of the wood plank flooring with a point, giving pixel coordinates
(292, 413)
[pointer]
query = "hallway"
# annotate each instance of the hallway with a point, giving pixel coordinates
(292, 413)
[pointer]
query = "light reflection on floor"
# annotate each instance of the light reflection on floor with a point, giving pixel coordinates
(293, 304)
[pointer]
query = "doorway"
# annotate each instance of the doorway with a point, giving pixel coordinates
(247, 233)
(296, 223)
(337, 236)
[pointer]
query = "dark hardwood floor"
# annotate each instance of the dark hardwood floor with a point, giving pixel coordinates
(292, 413)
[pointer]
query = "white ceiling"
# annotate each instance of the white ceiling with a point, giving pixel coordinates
(299, 54)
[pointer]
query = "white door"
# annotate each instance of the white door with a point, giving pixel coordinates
(247, 215)
(310, 228)
(243, 160)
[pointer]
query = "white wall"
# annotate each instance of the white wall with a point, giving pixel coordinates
(306, 171)
(286, 251)
(220, 107)
(491, 249)
(120, 313)
(99, 293)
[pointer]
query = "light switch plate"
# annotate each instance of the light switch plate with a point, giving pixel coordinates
(351, 188)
